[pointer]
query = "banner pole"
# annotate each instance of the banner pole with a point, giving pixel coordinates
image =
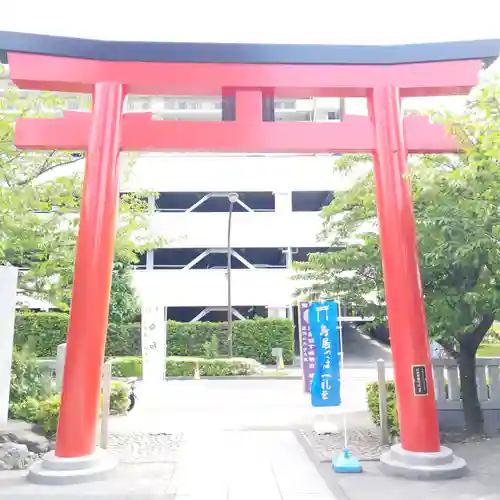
(342, 391)
(344, 463)
(301, 342)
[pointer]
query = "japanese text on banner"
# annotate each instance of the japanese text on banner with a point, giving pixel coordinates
(323, 322)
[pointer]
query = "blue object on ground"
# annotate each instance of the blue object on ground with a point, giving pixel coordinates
(346, 463)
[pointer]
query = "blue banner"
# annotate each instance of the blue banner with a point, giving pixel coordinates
(325, 386)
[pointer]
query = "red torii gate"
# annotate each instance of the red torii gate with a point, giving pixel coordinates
(386, 134)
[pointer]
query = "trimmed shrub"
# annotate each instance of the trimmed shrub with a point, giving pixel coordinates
(374, 408)
(118, 399)
(48, 414)
(184, 367)
(251, 338)
(124, 340)
(127, 366)
(42, 331)
(211, 349)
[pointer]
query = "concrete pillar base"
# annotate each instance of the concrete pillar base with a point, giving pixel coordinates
(413, 465)
(56, 470)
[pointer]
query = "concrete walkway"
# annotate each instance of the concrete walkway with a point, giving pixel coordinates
(232, 465)
(266, 465)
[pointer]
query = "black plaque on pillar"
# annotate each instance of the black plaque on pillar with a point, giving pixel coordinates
(420, 385)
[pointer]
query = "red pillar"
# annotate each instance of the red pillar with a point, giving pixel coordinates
(76, 433)
(403, 287)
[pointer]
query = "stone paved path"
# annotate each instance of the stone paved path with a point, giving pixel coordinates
(266, 465)
(129, 482)
(145, 448)
(225, 465)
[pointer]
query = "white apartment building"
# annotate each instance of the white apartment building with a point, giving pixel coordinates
(275, 219)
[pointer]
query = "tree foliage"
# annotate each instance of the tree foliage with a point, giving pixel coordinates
(40, 195)
(123, 303)
(457, 214)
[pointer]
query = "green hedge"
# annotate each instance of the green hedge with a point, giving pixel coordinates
(42, 331)
(131, 366)
(374, 408)
(251, 338)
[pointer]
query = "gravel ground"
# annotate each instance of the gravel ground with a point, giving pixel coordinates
(364, 444)
(145, 448)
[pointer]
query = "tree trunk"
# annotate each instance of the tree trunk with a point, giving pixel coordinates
(469, 343)
(474, 422)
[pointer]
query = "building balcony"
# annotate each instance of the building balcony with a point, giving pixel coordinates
(211, 172)
(208, 287)
(248, 229)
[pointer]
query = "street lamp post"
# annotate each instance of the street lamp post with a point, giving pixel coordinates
(233, 198)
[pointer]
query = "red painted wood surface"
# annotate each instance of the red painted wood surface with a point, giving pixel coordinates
(88, 322)
(403, 289)
(141, 133)
(31, 71)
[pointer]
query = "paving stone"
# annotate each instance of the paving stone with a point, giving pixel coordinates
(246, 465)
(144, 447)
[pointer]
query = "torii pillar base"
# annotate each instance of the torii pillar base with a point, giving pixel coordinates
(423, 466)
(54, 470)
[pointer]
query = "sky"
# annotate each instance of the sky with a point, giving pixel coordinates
(358, 22)
(260, 21)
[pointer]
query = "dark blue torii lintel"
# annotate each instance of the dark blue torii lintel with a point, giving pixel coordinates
(247, 53)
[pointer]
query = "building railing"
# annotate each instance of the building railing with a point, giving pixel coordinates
(160, 267)
(184, 210)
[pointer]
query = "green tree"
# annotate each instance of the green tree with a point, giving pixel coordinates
(40, 195)
(123, 304)
(456, 204)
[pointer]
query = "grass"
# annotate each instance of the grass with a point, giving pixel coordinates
(488, 351)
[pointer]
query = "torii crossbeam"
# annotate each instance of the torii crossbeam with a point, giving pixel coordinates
(247, 76)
